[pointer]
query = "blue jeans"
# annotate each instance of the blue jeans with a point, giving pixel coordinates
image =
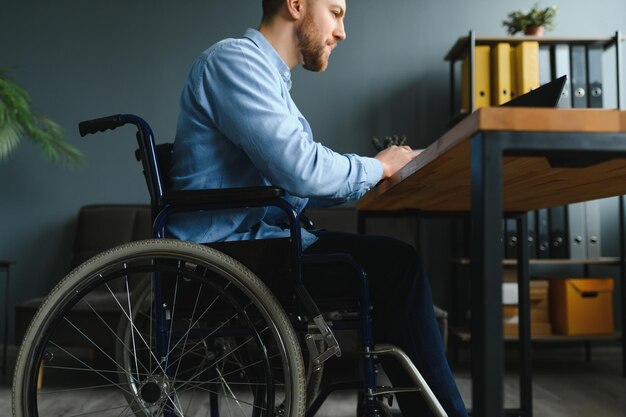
(402, 312)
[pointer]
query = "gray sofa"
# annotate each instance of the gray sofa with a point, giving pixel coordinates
(99, 227)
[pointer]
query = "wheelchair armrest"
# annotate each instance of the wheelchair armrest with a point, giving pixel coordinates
(226, 198)
(231, 197)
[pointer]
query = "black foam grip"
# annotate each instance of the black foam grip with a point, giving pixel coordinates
(100, 125)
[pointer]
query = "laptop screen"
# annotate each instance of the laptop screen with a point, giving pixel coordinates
(547, 95)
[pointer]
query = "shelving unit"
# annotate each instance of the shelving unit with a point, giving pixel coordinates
(466, 336)
(466, 46)
(460, 336)
(556, 262)
(459, 331)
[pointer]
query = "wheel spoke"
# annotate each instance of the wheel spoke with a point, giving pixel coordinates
(186, 337)
(132, 333)
(156, 360)
(84, 364)
(200, 317)
(227, 340)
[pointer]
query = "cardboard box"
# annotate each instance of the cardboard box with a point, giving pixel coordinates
(538, 313)
(582, 306)
(539, 301)
(539, 310)
(536, 329)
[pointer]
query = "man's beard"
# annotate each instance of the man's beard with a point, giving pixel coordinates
(313, 52)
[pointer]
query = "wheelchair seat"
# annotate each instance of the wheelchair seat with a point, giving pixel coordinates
(269, 259)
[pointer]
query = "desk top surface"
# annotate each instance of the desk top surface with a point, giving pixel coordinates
(439, 178)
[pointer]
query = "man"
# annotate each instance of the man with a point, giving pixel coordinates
(239, 127)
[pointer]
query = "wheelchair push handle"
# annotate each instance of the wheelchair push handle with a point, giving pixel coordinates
(101, 124)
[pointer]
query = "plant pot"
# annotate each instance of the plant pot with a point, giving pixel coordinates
(534, 31)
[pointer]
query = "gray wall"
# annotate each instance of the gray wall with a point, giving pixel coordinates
(84, 59)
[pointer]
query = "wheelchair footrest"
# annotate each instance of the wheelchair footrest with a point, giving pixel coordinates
(325, 334)
(414, 374)
(391, 390)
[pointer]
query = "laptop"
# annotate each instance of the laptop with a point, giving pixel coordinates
(547, 95)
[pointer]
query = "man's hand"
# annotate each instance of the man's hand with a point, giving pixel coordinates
(395, 157)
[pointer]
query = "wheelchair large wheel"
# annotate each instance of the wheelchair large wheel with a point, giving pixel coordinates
(160, 328)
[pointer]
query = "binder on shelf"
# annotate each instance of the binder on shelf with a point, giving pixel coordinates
(482, 76)
(526, 67)
(594, 76)
(532, 234)
(513, 66)
(482, 79)
(576, 228)
(545, 64)
(592, 220)
(465, 86)
(543, 233)
(560, 67)
(510, 241)
(578, 66)
(558, 238)
(500, 73)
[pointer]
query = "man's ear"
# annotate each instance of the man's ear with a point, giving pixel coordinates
(295, 8)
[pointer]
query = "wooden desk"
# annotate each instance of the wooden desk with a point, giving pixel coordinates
(495, 161)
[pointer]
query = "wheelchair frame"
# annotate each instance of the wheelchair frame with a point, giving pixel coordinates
(165, 203)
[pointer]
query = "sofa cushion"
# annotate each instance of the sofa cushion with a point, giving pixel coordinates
(103, 226)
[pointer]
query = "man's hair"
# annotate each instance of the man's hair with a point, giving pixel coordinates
(270, 8)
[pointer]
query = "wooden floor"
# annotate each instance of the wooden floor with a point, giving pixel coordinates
(564, 385)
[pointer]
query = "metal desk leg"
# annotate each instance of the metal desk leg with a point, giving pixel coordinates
(487, 347)
(523, 282)
(622, 274)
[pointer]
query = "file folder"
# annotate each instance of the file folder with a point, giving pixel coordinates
(545, 64)
(558, 241)
(482, 79)
(594, 75)
(578, 65)
(532, 235)
(500, 73)
(560, 67)
(510, 242)
(592, 218)
(513, 66)
(526, 67)
(576, 228)
(543, 234)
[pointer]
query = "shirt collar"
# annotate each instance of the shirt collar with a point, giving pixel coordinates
(267, 48)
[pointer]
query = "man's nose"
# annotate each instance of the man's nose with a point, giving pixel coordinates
(340, 31)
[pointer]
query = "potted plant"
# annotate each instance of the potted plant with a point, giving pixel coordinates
(19, 120)
(532, 22)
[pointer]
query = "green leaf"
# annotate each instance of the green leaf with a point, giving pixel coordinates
(10, 135)
(17, 120)
(50, 138)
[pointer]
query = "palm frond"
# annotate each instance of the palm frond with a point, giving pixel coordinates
(10, 136)
(17, 119)
(50, 138)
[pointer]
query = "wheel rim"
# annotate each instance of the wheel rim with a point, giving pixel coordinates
(241, 351)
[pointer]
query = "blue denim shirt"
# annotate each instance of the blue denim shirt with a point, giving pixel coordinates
(239, 127)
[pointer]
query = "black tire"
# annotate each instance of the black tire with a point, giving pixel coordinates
(229, 345)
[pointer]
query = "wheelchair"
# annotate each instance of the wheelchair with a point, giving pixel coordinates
(196, 332)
